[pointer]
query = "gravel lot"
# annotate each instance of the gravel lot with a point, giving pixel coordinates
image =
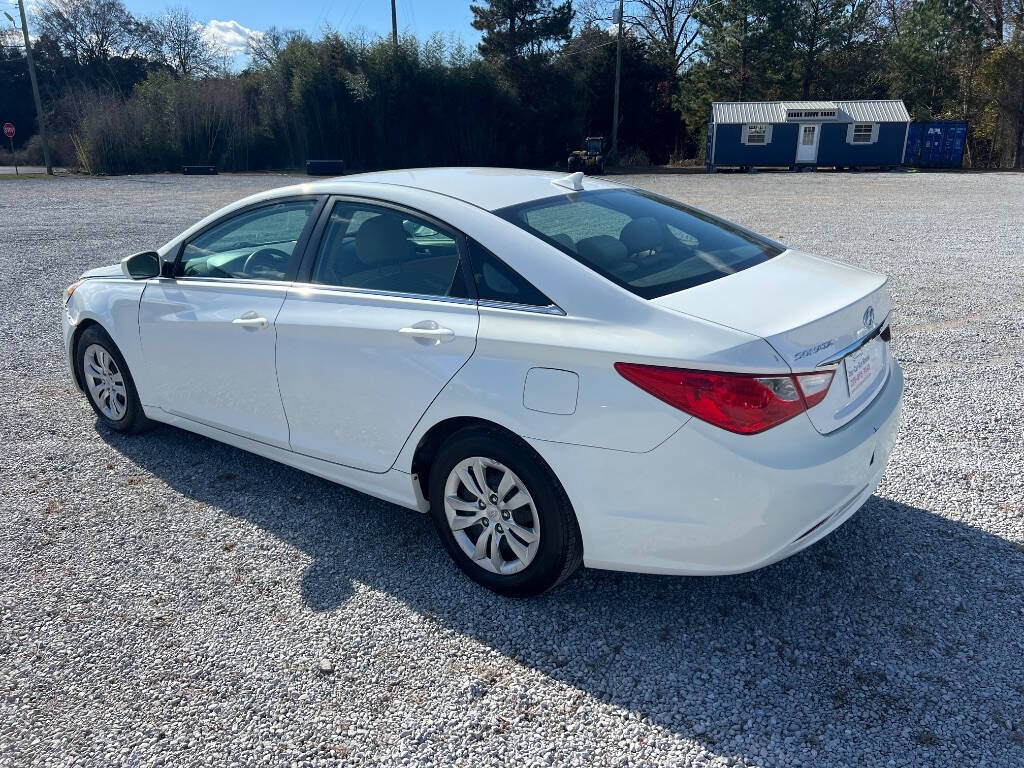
(170, 600)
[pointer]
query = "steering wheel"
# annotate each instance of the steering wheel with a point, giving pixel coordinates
(265, 260)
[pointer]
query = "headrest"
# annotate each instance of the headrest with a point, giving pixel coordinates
(643, 234)
(563, 239)
(603, 250)
(381, 240)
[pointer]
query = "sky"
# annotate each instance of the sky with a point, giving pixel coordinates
(229, 22)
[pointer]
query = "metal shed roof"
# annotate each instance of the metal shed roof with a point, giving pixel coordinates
(877, 111)
(874, 111)
(748, 112)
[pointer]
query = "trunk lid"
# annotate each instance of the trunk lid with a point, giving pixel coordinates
(812, 311)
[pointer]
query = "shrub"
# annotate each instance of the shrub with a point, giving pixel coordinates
(634, 158)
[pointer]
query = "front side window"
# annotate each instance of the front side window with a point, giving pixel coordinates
(862, 133)
(257, 244)
(383, 249)
(649, 245)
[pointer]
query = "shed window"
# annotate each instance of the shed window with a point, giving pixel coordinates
(757, 134)
(862, 133)
(804, 114)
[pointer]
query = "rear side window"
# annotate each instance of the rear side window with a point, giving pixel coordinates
(496, 281)
(649, 245)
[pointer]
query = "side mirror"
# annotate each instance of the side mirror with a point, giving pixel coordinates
(141, 266)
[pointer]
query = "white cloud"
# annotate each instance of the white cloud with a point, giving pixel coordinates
(229, 36)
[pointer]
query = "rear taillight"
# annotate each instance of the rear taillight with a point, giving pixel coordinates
(814, 386)
(739, 402)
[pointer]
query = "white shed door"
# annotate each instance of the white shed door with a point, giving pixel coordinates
(807, 143)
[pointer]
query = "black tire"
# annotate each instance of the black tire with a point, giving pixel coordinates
(133, 420)
(560, 548)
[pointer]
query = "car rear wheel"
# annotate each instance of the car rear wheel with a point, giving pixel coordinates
(108, 383)
(502, 515)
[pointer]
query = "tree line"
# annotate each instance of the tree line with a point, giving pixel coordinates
(127, 94)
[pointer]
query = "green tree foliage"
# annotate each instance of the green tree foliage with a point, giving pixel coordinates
(740, 47)
(927, 60)
(648, 121)
(129, 94)
(1002, 81)
(817, 31)
(514, 29)
(15, 94)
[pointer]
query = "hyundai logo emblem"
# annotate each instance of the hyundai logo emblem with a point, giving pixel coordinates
(869, 317)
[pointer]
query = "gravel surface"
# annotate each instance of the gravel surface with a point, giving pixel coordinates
(170, 600)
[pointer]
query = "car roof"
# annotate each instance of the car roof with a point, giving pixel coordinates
(487, 188)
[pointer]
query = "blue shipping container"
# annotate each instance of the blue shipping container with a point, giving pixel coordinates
(708, 144)
(937, 144)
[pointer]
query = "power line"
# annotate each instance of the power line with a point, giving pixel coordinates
(586, 50)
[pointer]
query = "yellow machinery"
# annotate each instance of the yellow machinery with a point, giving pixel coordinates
(591, 159)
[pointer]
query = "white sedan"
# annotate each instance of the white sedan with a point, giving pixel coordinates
(559, 370)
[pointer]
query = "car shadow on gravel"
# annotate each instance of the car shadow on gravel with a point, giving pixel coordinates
(901, 633)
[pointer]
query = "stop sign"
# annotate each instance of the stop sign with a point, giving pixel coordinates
(9, 130)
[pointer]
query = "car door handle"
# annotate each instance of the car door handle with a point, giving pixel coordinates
(251, 320)
(428, 331)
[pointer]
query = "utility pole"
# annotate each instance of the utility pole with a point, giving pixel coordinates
(394, 26)
(618, 75)
(35, 89)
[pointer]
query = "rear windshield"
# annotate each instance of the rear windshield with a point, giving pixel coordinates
(649, 245)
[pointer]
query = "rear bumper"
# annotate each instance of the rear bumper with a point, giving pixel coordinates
(708, 502)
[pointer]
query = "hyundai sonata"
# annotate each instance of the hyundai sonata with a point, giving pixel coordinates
(559, 370)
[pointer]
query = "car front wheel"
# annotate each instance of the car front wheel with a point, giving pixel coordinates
(502, 515)
(108, 383)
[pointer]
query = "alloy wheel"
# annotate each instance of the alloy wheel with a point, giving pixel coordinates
(491, 515)
(105, 382)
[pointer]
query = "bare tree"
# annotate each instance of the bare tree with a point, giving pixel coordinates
(671, 27)
(94, 31)
(265, 48)
(993, 15)
(183, 44)
(10, 39)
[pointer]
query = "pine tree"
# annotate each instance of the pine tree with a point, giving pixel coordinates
(515, 29)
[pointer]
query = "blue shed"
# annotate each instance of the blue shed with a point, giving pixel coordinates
(841, 134)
